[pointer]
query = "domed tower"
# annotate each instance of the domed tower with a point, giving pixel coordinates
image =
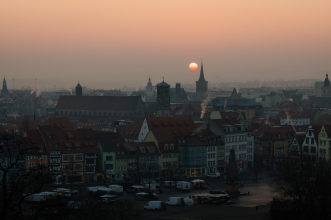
(79, 90)
(201, 85)
(326, 81)
(163, 96)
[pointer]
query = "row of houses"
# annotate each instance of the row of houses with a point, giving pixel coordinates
(150, 147)
(275, 143)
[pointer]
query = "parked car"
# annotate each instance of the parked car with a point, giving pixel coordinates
(199, 184)
(146, 196)
(107, 198)
(175, 201)
(183, 186)
(155, 205)
(169, 184)
(217, 174)
(42, 196)
(217, 192)
(116, 189)
(136, 188)
(153, 187)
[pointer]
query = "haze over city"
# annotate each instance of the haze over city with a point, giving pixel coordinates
(111, 44)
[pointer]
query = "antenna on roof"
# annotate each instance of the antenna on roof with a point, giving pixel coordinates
(163, 78)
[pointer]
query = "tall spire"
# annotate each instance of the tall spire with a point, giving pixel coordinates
(4, 90)
(202, 75)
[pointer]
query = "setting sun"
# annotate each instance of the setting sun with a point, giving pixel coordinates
(193, 66)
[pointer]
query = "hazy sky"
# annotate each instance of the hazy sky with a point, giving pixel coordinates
(122, 42)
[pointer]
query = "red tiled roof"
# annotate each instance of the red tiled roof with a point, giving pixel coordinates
(130, 131)
(52, 138)
(61, 122)
(166, 129)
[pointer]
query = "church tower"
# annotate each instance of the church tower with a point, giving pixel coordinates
(4, 91)
(79, 90)
(201, 86)
(326, 89)
(163, 96)
(149, 88)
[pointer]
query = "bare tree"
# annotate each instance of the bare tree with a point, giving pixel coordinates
(16, 182)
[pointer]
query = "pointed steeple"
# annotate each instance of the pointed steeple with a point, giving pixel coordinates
(201, 85)
(234, 93)
(202, 75)
(4, 90)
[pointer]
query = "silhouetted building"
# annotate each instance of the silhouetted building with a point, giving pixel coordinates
(4, 91)
(110, 107)
(163, 96)
(149, 91)
(201, 85)
(326, 89)
(79, 90)
(178, 94)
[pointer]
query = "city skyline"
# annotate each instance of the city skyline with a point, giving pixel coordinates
(126, 42)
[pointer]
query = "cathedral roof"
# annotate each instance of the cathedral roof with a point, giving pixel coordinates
(108, 103)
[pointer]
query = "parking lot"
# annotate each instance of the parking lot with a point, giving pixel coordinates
(252, 206)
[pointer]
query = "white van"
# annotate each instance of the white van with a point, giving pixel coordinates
(155, 205)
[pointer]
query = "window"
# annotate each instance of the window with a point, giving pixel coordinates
(305, 149)
(90, 161)
(67, 167)
(79, 166)
(313, 149)
(78, 157)
(68, 157)
(109, 158)
(109, 166)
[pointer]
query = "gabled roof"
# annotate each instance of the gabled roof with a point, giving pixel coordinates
(300, 136)
(166, 129)
(130, 131)
(108, 103)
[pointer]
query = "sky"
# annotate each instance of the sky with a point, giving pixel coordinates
(110, 44)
